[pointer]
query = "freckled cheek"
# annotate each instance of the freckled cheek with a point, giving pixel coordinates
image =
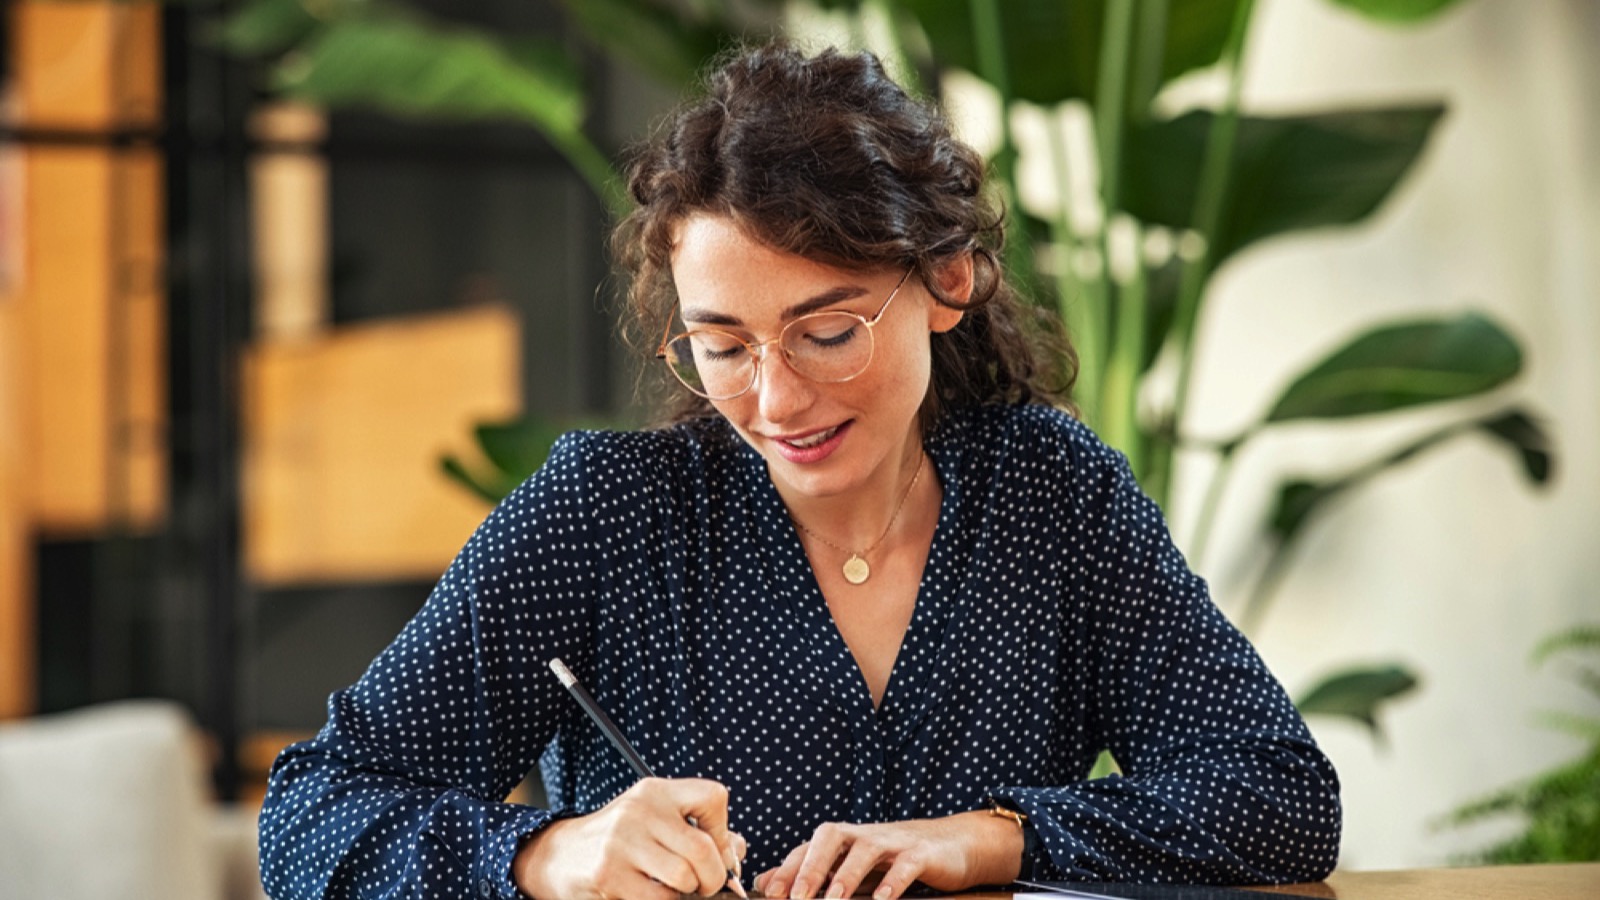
(898, 376)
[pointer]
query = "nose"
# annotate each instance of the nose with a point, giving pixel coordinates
(781, 392)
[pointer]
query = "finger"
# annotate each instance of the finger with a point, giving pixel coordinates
(706, 863)
(779, 879)
(737, 848)
(668, 866)
(706, 802)
(629, 883)
(901, 874)
(826, 843)
(862, 857)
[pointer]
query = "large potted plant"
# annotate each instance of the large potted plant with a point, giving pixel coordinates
(1176, 199)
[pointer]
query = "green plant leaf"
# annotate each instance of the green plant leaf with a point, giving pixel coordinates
(1053, 46)
(1402, 11)
(266, 26)
(1523, 434)
(1289, 173)
(1161, 306)
(1586, 727)
(1559, 809)
(1300, 500)
(518, 447)
(1403, 365)
(656, 39)
(1579, 637)
(1105, 764)
(492, 491)
(403, 66)
(515, 449)
(1358, 694)
(1297, 502)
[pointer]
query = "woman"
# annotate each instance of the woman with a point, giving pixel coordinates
(869, 603)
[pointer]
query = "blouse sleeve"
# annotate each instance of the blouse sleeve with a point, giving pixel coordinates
(1221, 782)
(400, 793)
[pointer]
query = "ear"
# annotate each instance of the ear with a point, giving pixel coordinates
(955, 282)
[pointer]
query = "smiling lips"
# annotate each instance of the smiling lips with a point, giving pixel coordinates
(813, 447)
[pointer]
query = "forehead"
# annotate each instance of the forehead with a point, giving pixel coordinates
(717, 264)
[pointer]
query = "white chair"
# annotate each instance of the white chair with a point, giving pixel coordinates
(111, 803)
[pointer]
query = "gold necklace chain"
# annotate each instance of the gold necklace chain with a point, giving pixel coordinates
(855, 569)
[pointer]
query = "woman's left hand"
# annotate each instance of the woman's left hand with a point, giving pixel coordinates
(948, 854)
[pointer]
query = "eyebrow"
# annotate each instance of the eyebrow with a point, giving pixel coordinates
(697, 316)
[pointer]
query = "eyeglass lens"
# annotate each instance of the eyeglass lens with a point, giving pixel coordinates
(825, 347)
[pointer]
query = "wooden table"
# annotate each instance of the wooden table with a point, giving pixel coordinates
(1550, 882)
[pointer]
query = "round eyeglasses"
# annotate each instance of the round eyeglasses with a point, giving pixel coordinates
(828, 347)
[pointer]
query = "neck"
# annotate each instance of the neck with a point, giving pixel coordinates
(858, 520)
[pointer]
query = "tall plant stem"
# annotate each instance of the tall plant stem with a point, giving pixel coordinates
(595, 169)
(1080, 306)
(1266, 586)
(1150, 56)
(1215, 171)
(1111, 99)
(991, 51)
(1121, 415)
(1207, 517)
(899, 58)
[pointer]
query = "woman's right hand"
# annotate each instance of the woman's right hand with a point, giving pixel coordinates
(639, 846)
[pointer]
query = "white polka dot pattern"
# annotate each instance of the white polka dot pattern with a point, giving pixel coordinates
(1055, 619)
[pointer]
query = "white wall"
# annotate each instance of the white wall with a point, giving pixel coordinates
(1452, 564)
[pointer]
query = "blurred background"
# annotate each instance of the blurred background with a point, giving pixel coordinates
(291, 291)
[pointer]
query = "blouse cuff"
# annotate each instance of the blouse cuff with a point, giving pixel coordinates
(495, 880)
(1046, 846)
(1034, 856)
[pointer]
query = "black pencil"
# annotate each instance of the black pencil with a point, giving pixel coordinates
(619, 741)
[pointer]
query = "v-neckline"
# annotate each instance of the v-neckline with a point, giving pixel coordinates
(838, 677)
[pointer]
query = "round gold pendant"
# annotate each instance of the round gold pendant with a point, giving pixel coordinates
(856, 569)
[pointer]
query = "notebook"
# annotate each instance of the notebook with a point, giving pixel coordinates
(1058, 890)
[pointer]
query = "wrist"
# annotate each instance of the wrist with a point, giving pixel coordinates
(531, 866)
(996, 853)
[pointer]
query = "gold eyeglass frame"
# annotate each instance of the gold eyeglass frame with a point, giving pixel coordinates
(758, 349)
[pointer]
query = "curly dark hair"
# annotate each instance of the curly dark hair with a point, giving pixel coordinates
(826, 157)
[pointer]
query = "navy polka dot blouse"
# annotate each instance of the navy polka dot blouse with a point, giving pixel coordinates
(1055, 619)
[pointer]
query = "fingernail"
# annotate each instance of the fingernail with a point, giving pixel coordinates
(884, 892)
(800, 891)
(836, 891)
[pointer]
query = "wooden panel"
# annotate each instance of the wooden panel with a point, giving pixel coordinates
(66, 305)
(87, 64)
(136, 89)
(138, 456)
(91, 284)
(16, 602)
(342, 438)
(289, 217)
(82, 300)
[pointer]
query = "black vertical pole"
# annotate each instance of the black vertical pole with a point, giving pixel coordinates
(208, 270)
